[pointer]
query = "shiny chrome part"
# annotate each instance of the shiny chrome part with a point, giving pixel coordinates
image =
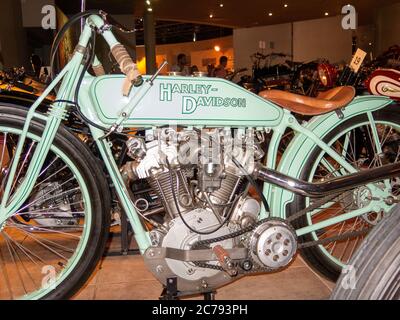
(136, 148)
(246, 212)
(335, 185)
(273, 245)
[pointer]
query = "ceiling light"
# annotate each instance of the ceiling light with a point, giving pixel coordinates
(285, 5)
(149, 9)
(327, 13)
(221, 5)
(211, 16)
(217, 48)
(270, 14)
(148, 2)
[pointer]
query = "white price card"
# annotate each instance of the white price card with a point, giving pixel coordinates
(358, 60)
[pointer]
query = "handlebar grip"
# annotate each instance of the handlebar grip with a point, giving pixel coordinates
(128, 67)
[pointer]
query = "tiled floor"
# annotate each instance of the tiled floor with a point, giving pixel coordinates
(126, 278)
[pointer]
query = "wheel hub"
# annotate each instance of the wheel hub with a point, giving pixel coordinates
(383, 196)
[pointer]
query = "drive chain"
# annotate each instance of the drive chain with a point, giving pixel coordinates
(202, 244)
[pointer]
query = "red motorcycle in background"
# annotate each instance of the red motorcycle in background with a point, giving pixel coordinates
(305, 78)
(313, 77)
(380, 76)
(385, 82)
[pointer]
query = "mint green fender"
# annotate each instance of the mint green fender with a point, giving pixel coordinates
(300, 148)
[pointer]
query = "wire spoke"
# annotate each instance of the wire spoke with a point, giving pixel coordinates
(14, 262)
(361, 147)
(12, 243)
(52, 197)
(24, 227)
(48, 228)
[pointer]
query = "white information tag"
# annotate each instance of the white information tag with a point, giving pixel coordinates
(358, 60)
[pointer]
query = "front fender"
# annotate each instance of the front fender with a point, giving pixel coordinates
(301, 147)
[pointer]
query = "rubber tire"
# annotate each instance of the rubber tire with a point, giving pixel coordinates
(376, 264)
(313, 256)
(95, 179)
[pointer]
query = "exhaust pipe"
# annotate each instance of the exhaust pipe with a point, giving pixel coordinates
(322, 189)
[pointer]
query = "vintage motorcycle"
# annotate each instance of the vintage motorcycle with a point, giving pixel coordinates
(384, 82)
(305, 78)
(202, 154)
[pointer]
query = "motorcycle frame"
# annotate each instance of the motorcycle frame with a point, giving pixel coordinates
(308, 136)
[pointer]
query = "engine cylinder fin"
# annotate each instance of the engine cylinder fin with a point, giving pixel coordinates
(230, 186)
(160, 182)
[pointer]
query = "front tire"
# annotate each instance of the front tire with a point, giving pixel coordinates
(75, 189)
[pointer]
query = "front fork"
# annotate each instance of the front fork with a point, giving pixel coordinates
(57, 112)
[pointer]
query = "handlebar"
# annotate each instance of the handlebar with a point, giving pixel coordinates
(133, 77)
(109, 20)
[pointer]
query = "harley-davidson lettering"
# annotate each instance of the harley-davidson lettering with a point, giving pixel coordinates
(191, 103)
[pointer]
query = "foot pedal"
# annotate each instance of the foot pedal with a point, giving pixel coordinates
(225, 260)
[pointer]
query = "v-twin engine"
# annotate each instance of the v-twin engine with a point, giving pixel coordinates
(198, 180)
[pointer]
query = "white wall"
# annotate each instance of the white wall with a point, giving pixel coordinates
(312, 39)
(246, 42)
(322, 38)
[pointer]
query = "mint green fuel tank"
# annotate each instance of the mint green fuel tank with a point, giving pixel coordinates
(182, 101)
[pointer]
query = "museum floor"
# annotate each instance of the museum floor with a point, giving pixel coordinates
(126, 278)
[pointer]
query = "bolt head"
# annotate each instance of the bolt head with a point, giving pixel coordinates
(160, 269)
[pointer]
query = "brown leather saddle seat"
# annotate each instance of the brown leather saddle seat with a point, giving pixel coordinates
(331, 100)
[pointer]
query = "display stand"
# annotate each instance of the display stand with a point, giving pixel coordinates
(170, 292)
(126, 236)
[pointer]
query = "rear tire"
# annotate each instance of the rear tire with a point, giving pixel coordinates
(376, 264)
(316, 257)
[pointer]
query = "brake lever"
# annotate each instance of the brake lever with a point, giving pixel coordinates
(109, 20)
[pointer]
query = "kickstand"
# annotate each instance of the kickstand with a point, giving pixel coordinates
(170, 292)
(209, 296)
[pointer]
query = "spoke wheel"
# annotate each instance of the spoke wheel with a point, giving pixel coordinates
(364, 146)
(51, 244)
